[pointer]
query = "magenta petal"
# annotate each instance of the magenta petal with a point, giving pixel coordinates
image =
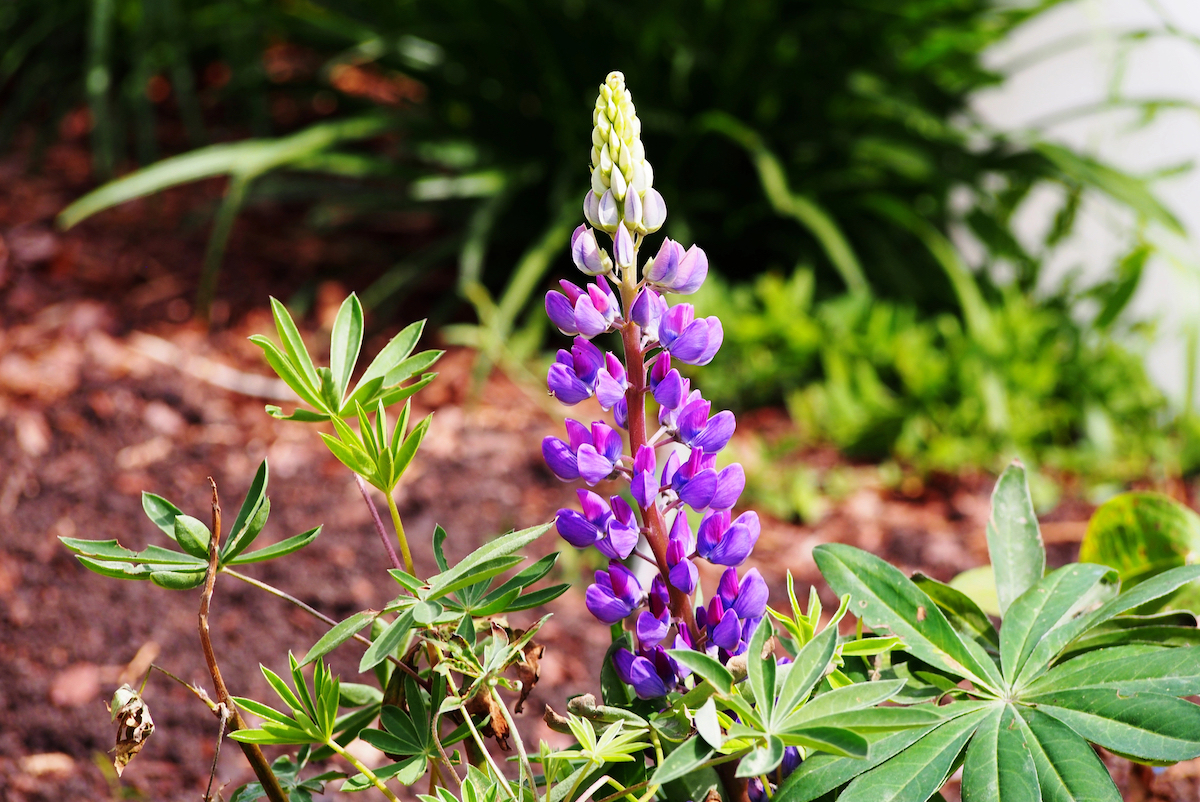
(577, 434)
(727, 587)
(560, 459)
(644, 489)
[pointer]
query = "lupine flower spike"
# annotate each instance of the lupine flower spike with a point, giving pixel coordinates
(657, 338)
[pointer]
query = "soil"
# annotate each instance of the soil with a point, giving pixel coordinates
(107, 389)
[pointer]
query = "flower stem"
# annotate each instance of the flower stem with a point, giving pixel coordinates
(366, 772)
(387, 543)
(408, 561)
(635, 398)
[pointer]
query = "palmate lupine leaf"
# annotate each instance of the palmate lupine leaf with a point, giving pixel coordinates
(1061, 688)
(1014, 540)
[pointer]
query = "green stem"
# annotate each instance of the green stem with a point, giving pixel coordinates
(408, 561)
(366, 772)
(526, 768)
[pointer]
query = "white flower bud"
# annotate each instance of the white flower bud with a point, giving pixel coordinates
(618, 184)
(598, 185)
(606, 162)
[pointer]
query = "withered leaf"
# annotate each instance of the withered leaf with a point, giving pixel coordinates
(485, 704)
(529, 668)
(134, 725)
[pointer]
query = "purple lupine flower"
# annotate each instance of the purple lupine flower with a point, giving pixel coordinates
(694, 481)
(586, 252)
(697, 430)
(731, 481)
(689, 340)
(599, 456)
(727, 543)
(668, 417)
(615, 594)
(562, 456)
(673, 270)
(561, 312)
(611, 382)
(611, 529)
(647, 311)
(623, 533)
(654, 210)
(666, 383)
(644, 485)
(747, 598)
(572, 377)
(651, 672)
(652, 624)
(597, 310)
(681, 544)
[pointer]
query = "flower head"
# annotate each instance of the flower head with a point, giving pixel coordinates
(607, 525)
(723, 542)
(614, 595)
(572, 377)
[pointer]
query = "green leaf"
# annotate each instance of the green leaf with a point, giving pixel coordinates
(439, 555)
(192, 536)
(762, 759)
(391, 743)
(760, 672)
(612, 690)
(116, 570)
(339, 634)
(161, 512)
(261, 710)
(832, 740)
(1068, 770)
(392, 354)
(287, 546)
(299, 414)
(352, 457)
(869, 720)
(805, 672)
(293, 343)
(410, 367)
(708, 725)
(1148, 591)
(243, 531)
(399, 394)
(177, 580)
(407, 451)
(537, 598)
(689, 756)
(888, 602)
(918, 772)
(979, 585)
(999, 766)
(1145, 725)
(426, 612)
(820, 774)
(501, 546)
(842, 700)
(1127, 670)
(479, 572)
(406, 772)
(1141, 535)
(1014, 540)
(105, 549)
(305, 388)
(387, 642)
(962, 613)
(345, 343)
(1051, 602)
(705, 667)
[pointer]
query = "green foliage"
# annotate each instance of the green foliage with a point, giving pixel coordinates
(877, 380)
(1141, 535)
(186, 569)
(1036, 693)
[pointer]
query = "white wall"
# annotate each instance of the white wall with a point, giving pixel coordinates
(1159, 67)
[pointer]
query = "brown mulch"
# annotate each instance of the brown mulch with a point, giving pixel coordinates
(106, 390)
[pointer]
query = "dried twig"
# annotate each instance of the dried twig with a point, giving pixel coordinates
(258, 761)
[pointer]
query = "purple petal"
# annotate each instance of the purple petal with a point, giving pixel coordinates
(585, 251)
(654, 210)
(716, 433)
(588, 319)
(681, 532)
(623, 248)
(575, 529)
(625, 585)
(633, 210)
(716, 335)
(651, 630)
(646, 460)
(665, 263)
(692, 420)
(572, 292)
(647, 311)
(560, 459)
(727, 633)
(727, 587)
(577, 434)
(644, 489)
(669, 392)
(587, 360)
(560, 312)
(594, 506)
(693, 269)
(685, 576)
(708, 536)
(605, 606)
(623, 663)
(697, 493)
(645, 680)
(591, 207)
(621, 413)
(565, 386)
(609, 391)
(674, 322)
(731, 481)
(689, 347)
(607, 441)
(593, 466)
(606, 211)
(752, 596)
(736, 542)
(620, 541)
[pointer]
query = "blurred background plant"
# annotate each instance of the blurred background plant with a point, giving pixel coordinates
(828, 152)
